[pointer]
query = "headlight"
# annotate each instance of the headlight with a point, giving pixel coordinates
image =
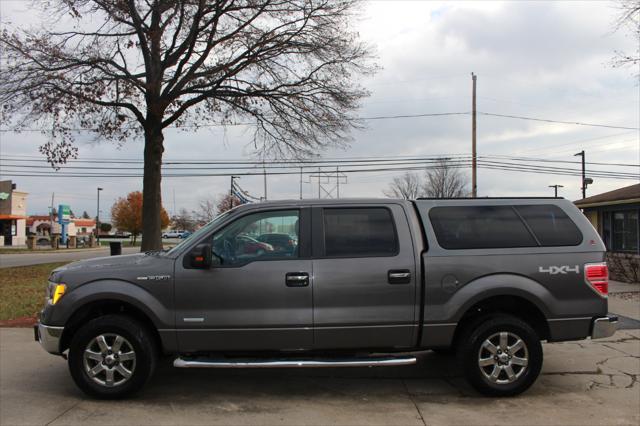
(55, 291)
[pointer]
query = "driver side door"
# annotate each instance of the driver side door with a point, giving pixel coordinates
(255, 297)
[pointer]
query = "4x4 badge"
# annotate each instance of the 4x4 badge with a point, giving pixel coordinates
(555, 270)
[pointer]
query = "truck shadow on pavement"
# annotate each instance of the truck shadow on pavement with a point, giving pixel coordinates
(433, 373)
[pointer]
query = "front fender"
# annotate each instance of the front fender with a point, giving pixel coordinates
(158, 311)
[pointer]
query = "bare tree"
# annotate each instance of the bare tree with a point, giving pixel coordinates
(132, 68)
(227, 202)
(408, 186)
(444, 180)
(628, 19)
(183, 221)
(206, 211)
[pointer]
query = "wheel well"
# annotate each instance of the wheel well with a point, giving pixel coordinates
(512, 305)
(97, 309)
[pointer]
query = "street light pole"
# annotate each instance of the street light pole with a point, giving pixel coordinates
(474, 165)
(584, 180)
(98, 218)
(555, 187)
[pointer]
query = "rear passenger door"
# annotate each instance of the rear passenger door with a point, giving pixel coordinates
(364, 286)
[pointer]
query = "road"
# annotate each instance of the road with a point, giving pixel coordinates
(24, 259)
(585, 383)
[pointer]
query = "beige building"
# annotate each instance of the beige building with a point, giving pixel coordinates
(13, 215)
(616, 217)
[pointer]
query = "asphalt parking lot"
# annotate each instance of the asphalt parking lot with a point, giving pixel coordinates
(586, 383)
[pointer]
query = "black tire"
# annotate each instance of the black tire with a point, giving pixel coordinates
(137, 338)
(470, 355)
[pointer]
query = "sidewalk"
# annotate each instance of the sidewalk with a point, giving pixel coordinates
(620, 287)
(23, 250)
(624, 299)
(66, 255)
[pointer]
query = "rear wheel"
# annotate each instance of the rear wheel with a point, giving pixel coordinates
(501, 356)
(112, 357)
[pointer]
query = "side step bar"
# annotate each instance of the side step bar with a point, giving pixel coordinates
(291, 363)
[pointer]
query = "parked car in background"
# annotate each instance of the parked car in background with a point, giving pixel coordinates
(176, 234)
(249, 245)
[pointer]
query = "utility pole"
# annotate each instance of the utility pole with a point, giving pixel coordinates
(555, 187)
(174, 202)
(301, 183)
(98, 218)
(474, 182)
(51, 215)
(585, 181)
(318, 182)
(264, 177)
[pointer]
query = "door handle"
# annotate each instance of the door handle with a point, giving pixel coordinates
(297, 279)
(399, 276)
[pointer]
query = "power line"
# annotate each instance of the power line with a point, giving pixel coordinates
(378, 117)
(249, 164)
(579, 141)
(372, 118)
(297, 162)
(494, 165)
(546, 120)
(256, 162)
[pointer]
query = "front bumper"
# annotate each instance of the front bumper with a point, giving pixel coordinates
(604, 327)
(49, 337)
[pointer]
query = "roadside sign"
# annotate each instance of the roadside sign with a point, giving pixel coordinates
(64, 213)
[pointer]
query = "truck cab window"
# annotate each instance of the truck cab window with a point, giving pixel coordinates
(355, 232)
(259, 236)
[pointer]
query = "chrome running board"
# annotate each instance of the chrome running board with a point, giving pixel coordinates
(291, 363)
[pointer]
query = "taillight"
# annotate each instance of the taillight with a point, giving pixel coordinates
(597, 275)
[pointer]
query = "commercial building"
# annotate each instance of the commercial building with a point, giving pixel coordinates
(40, 226)
(13, 213)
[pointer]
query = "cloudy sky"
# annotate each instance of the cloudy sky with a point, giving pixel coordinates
(549, 60)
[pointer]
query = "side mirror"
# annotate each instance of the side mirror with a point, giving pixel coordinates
(200, 257)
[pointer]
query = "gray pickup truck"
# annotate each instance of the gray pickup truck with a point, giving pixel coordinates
(329, 283)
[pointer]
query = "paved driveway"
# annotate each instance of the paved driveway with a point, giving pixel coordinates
(583, 383)
(24, 259)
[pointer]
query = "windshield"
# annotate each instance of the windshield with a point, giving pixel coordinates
(202, 231)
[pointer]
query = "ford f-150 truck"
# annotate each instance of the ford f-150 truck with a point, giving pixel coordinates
(362, 283)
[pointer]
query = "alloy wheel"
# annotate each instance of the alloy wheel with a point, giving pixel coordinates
(109, 360)
(503, 357)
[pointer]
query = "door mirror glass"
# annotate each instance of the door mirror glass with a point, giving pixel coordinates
(200, 256)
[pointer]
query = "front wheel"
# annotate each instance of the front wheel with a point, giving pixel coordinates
(501, 356)
(112, 357)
